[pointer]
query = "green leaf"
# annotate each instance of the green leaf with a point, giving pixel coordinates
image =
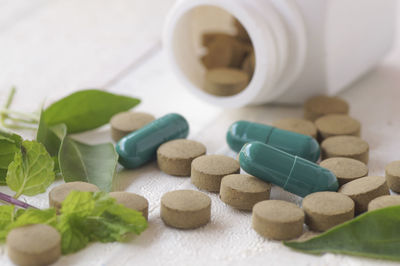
(9, 145)
(9, 219)
(375, 234)
(51, 137)
(94, 164)
(6, 218)
(80, 204)
(31, 172)
(73, 237)
(81, 222)
(87, 109)
(35, 216)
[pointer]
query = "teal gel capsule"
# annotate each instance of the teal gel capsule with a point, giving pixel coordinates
(242, 132)
(292, 173)
(141, 146)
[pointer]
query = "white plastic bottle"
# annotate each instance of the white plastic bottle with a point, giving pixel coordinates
(302, 47)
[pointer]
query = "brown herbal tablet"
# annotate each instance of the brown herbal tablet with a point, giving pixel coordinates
(337, 125)
(277, 219)
(249, 64)
(345, 169)
(225, 51)
(175, 157)
(345, 146)
(392, 172)
(243, 191)
(132, 201)
(31, 245)
(225, 81)
(297, 125)
(327, 209)
(58, 194)
(383, 202)
(185, 209)
(365, 189)
(323, 105)
(208, 171)
(125, 123)
(210, 37)
(241, 32)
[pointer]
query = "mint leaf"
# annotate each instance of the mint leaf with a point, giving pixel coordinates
(10, 219)
(80, 204)
(73, 237)
(9, 145)
(87, 109)
(88, 216)
(31, 172)
(6, 218)
(35, 216)
(374, 234)
(51, 136)
(94, 164)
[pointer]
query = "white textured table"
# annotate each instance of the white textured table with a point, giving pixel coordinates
(46, 54)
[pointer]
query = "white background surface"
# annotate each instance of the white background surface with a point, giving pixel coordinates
(50, 47)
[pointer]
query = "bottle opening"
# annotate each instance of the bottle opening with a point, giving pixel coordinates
(214, 51)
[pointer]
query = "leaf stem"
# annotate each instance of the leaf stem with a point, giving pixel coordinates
(14, 201)
(25, 116)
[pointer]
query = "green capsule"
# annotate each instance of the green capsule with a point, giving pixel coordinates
(141, 146)
(242, 132)
(292, 173)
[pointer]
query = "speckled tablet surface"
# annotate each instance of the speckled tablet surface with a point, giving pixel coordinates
(277, 219)
(32, 245)
(185, 209)
(208, 171)
(59, 193)
(392, 172)
(337, 125)
(327, 209)
(345, 146)
(127, 122)
(321, 105)
(297, 125)
(243, 191)
(132, 201)
(175, 157)
(345, 169)
(383, 202)
(365, 189)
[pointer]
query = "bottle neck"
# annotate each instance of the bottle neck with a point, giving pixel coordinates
(276, 29)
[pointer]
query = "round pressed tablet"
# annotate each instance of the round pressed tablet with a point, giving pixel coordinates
(392, 172)
(297, 125)
(241, 32)
(337, 125)
(243, 191)
(132, 201)
(175, 157)
(249, 64)
(323, 105)
(277, 219)
(345, 169)
(326, 209)
(383, 202)
(345, 146)
(225, 81)
(124, 123)
(365, 189)
(36, 244)
(208, 171)
(185, 209)
(59, 193)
